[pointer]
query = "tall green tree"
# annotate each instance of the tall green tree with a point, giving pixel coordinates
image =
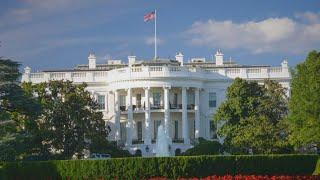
(69, 119)
(17, 112)
(253, 116)
(304, 119)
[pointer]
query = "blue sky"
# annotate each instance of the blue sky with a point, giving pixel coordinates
(51, 34)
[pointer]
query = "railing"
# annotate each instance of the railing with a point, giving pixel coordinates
(137, 141)
(136, 69)
(155, 68)
(254, 70)
(175, 106)
(138, 107)
(57, 76)
(233, 71)
(275, 70)
(36, 75)
(128, 73)
(155, 107)
(177, 140)
(78, 75)
(100, 74)
(190, 106)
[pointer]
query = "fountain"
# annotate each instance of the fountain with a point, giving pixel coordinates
(162, 144)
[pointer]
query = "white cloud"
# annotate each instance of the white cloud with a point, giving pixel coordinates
(269, 35)
(150, 41)
(37, 26)
(309, 17)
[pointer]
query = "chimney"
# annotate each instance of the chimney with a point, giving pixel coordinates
(27, 70)
(284, 63)
(131, 60)
(26, 74)
(219, 58)
(92, 61)
(179, 58)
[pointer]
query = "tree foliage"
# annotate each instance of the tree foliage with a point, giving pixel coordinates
(69, 122)
(17, 111)
(204, 147)
(253, 116)
(304, 119)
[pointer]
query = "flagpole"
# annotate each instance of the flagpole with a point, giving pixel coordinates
(155, 35)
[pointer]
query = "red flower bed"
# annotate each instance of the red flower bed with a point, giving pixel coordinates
(246, 177)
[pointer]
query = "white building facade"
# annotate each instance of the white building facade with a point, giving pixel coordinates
(137, 97)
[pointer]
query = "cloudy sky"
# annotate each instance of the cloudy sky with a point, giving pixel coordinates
(50, 34)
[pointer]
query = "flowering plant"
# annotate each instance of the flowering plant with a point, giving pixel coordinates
(247, 177)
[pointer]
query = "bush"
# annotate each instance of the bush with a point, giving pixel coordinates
(110, 147)
(204, 147)
(170, 167)
(276, 164)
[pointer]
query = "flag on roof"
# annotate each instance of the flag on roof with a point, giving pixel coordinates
(149, 16)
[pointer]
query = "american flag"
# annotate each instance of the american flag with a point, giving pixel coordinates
(149, 16)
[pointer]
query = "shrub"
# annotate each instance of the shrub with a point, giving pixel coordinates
(276, 164)
(204, 147)
(170, 167)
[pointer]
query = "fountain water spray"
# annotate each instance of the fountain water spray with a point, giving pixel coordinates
(162, 144)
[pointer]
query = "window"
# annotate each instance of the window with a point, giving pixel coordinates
(192, 128)
(101, 102)
(213, 130)
(139, 130)
(122, 100)
(175, 99)
(157, 123)
(138, 100)
(176, 129)
(156, 98)
(190, 98)
(123, 131)
(212, 99)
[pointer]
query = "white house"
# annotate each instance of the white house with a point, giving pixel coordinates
(137, 97)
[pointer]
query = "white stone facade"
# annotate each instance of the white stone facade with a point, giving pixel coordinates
(136, 98)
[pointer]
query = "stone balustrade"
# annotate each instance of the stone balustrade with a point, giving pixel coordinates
(159, 71)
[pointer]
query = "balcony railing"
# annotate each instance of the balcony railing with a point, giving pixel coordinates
(178, 140)
(158, 71)
(137, 141)
(138, 107)
(190, 106)
(155, 107)
(175, 106)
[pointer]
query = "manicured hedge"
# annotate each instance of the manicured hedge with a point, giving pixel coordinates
(171, 167)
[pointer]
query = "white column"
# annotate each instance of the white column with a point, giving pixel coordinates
(117, 115)
(167, 112)
(129, 125)
(185, 124)
(197, 113)
(147, 135)
(106, 101)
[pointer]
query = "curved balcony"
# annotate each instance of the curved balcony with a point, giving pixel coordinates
(152, 72)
